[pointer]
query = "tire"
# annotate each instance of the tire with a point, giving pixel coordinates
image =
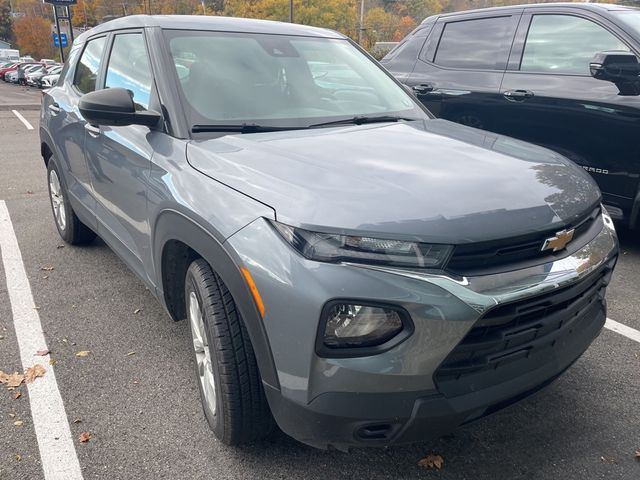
(69, 226)
(228, 378)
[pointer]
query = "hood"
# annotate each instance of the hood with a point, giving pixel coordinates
(433, 180)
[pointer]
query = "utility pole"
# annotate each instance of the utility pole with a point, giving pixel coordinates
(55, 15)
(290, 11)
(361, 26)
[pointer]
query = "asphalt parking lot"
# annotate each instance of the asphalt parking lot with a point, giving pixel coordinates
(135, 392)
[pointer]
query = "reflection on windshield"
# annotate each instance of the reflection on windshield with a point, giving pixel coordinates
(280, 80)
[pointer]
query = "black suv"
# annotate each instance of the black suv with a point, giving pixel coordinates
(536, 72)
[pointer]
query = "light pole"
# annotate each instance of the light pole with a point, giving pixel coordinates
(290, 11)
(361, 26)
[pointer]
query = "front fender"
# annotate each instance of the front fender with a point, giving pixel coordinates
(172, 225)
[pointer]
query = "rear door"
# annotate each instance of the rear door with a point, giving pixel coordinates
(119, 158)
(460, 67)
(66, 124)
(550, 98)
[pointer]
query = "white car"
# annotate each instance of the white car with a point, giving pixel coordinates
(49, 81)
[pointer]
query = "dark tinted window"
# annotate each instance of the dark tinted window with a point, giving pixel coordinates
(479, 44)
(129, 67)
(88, 66)
(565, 44)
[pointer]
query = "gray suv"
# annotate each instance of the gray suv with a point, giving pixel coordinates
(353, 270)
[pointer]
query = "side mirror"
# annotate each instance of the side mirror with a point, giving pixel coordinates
(115, 107)
(621, 68)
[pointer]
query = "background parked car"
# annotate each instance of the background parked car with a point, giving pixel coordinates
(8, 68)
(14, 75)
(49, 81)
(35, 78)
(525, 72)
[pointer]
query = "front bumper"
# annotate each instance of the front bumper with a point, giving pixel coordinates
(402, 395)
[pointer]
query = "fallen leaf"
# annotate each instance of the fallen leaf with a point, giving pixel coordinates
(85, 437)
(43, 353)
(31, 373)
(59, 246)
(18, 457)
(47, 268)
(130, 353)
(36, 308)
(1, 337)
(12, 415)
(18, 423)
(17, 395)
(12, 380)
(77, 420)
(431, 461)
(83, 353)
(637, 455)
(137, 310)
(52, 361)
(45, 277)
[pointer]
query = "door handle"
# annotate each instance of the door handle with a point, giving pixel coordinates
(54, 108)
(423, 88)
(517, 95)
(93, 131)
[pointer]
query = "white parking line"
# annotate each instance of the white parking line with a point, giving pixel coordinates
(628, 332)
(22, 119)
(57, 451)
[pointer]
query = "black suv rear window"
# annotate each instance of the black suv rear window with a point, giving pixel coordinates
(482, 43)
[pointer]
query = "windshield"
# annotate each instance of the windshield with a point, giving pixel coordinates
(279, 80)
(630, 18)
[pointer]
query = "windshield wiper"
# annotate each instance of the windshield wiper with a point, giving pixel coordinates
(240, 128)
(362, 119)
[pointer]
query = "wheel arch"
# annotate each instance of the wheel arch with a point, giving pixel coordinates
(177, 241)
(47, 146)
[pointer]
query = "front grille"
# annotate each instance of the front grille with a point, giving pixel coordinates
(509, 254)
(513, 339)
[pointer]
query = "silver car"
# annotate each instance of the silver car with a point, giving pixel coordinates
(352, 269)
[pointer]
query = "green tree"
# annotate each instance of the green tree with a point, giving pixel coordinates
(6, 33)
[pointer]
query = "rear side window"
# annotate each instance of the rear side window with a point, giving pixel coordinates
(481, 44)
(565, 44)
(129, 67)
(89, 65)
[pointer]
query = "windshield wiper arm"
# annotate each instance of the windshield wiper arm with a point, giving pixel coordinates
(362, 119)
(240, 128)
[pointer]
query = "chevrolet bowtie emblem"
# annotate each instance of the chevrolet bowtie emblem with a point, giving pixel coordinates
(558, 242)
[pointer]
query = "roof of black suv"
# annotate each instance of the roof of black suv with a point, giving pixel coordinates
(585, 6)
(200, 22)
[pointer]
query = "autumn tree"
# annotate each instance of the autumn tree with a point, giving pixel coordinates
(33, 36)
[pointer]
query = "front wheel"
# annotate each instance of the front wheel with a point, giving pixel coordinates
(229, 381)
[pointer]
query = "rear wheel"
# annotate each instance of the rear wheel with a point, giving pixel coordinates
(69, 226)
(228, 378)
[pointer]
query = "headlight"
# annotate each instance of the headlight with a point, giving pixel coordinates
(329, 247)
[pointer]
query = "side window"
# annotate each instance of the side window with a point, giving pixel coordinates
(565, 44)
(88, 66)
(71, 60)
(481, 44)
(129, 67)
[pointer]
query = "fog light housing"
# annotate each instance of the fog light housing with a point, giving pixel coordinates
(355, 328)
